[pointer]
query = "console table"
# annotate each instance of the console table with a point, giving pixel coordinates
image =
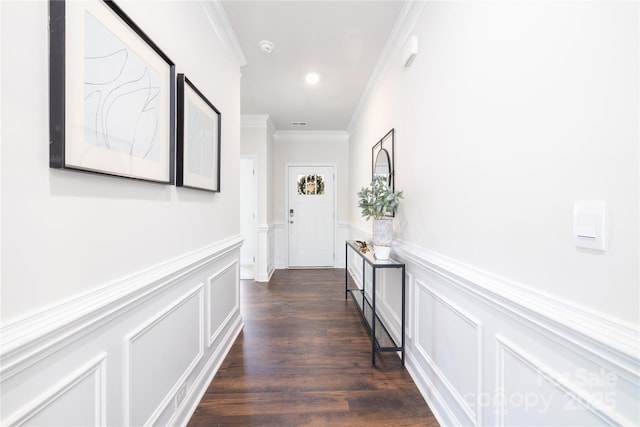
(383, 341)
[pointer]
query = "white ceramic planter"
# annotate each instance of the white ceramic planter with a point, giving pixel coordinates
(382, 252)
(382, 237)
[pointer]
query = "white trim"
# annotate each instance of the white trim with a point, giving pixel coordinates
(265, 260)
(95, 367)
(212, 336)
(222, 26)
(130, 338)
(609, 341)
(571, 335)
(475, 417)
(586, 400)
(256, 121)
(310, 134)
(33, 338)
(253, 269)
(184, 413)
(430, 392)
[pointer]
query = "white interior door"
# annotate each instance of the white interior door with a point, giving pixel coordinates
(310, 216)
(248, 220)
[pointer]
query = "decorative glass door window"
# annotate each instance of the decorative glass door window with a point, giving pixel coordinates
(310, 185)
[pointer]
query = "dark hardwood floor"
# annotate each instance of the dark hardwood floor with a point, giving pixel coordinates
(304, 358)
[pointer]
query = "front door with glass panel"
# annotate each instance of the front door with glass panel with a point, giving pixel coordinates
(310, 216)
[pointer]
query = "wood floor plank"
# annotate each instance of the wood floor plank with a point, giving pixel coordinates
(304, 359)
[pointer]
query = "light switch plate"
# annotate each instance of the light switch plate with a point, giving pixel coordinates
(590, 224)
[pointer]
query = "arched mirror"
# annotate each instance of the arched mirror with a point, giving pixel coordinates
(382, 165)
(382, 158)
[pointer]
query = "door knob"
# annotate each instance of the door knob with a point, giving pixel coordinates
(290, 222)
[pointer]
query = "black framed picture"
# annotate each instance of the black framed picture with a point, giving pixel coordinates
(198, 149)
(111, 94)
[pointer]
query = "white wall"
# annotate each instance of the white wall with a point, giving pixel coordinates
(510, 114)
(99, 271)
(257, 140)
(501, 128)
(327, 148)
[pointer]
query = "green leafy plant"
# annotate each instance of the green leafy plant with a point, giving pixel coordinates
(377, 200)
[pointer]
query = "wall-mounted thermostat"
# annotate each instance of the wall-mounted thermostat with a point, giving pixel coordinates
(589, 225)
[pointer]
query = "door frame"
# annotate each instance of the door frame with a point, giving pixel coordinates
(254, 159)
(334, 166)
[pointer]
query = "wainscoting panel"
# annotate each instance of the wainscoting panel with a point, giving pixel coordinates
(529, 392)
(160, 336)
(485, 351)
(266, 256)
(453, 353)
(155, 366)
(222, 305)
(78, 400)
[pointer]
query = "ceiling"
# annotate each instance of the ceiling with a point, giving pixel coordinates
(339, 40)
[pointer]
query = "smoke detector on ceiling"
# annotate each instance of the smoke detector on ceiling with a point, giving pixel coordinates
(266, 46)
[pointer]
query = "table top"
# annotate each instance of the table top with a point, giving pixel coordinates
(370, 258)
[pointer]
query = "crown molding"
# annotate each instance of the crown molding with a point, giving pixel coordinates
(407, 19)
(257, 121)
(287, 135)
(222, 26)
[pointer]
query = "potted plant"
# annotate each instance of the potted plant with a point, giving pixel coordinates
(379, 202)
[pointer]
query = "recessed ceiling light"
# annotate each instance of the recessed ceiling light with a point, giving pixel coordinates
(312, 78)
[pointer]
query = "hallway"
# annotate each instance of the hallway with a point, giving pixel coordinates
(304, 358)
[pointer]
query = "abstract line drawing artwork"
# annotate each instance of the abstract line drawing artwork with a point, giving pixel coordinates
(111, 94)
(198, 139)
(200, 136)
(122, 103)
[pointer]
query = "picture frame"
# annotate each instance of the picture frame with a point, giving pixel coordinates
(112, 101)
(199, 133)
(383, 158)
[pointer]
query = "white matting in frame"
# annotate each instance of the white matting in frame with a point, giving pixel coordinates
(112, 102)
(198, 148)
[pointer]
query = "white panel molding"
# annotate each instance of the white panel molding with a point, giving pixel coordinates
(582, 397)
(212, 336)
(410, 306)
(474, 416)
(33, 338)
(222, 26)
(197, 291)
(430, 392)
(264, 269)
(392, 319)
(200, 385)
(95, 368)
(603, 339)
